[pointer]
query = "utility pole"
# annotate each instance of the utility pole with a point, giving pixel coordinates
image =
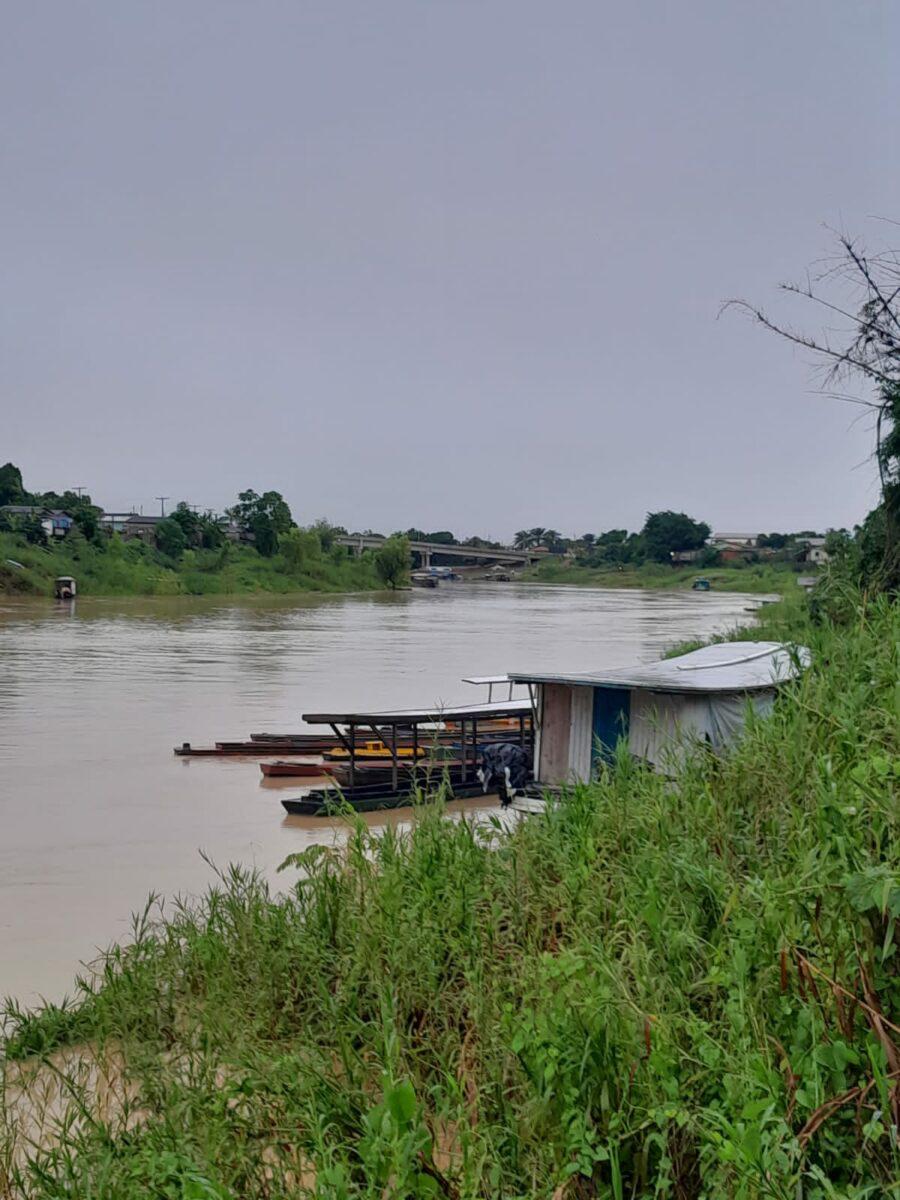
(81, 488)
(162, 504)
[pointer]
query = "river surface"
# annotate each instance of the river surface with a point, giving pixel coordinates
(95, 810)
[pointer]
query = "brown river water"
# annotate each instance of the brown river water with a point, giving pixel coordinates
(95, 810)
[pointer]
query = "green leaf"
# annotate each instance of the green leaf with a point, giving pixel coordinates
(401, 1102)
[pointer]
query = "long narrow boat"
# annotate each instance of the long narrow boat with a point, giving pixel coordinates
(326, 802)
(306, 769)
(251, 749)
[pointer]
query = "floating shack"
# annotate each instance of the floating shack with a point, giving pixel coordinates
(657, 709)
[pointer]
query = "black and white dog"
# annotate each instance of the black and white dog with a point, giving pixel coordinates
(505, 766)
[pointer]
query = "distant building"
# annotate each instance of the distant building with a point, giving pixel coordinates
(54, 522)
(746, 541)
(113, 522)
(680, 557)
(140, 526)
(232, 530)
(814, 551)
(732, 554)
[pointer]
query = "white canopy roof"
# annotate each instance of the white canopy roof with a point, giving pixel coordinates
(724, 667)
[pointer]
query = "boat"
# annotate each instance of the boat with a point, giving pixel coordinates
(375, 750)
(313, 768)
(325, 802)
(254, 749)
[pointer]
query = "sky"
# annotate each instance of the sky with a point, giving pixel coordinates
(437, 264)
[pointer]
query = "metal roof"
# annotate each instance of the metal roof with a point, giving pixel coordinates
(436, 712)
(724, 667)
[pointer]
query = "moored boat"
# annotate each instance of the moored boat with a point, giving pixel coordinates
(311, 768)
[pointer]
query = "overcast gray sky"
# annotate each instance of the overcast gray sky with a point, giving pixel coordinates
(444, 264)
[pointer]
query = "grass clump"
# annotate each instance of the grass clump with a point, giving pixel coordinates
(757, 578)
(652, 989)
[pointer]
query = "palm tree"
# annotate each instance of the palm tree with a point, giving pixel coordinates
(522, 540)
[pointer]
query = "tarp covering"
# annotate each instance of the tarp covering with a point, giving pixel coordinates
(664, 725)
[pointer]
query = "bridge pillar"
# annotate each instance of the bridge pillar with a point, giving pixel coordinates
(425, 555)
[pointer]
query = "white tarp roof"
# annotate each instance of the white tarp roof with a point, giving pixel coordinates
(724, 667)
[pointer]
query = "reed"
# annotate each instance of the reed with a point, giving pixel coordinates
(652, 989)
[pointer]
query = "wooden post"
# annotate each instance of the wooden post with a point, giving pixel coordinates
(415, 750)
(474, 743)
(394, 757)
(350, 747)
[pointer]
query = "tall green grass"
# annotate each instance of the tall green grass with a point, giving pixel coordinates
(131, 568)
(778, 578)
(652, 989)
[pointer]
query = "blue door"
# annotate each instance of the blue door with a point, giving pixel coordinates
(610, 721)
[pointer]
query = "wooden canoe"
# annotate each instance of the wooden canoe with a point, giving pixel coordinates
(308, 769)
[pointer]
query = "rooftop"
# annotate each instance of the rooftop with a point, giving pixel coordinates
(725, 667)
(434, 712)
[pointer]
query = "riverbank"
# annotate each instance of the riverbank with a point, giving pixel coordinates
(135, 569)
(755, 578)
(650, 989)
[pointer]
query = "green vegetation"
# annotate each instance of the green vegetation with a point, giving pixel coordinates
(665, 533)
(754, 577)
(392, 561)
(120, 568)
(653, 989)
(188, 553)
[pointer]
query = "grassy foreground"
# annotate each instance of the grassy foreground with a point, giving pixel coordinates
(780, 578)
(134, 569)
(651, 990)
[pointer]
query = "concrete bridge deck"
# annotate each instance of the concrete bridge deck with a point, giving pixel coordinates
(426, 549)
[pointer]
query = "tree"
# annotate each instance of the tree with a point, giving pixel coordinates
(170, 539)
(858, 293)
(392, 561)
(189, 522)
(327, 533)
(616, 546)
(667, 532)
(12, 490)
(300, 547)
(263, 518)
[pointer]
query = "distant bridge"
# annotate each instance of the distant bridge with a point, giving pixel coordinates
(360, 542)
